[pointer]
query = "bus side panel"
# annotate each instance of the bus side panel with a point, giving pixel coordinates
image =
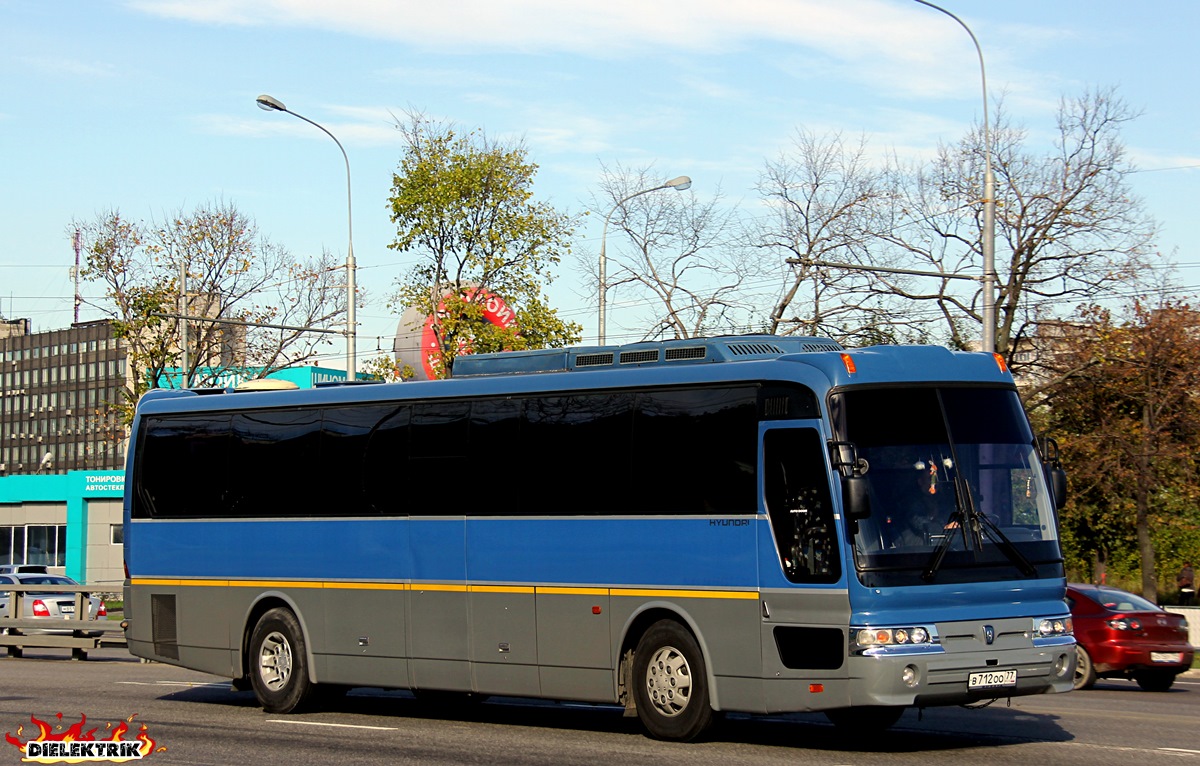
(504, 640)
(200, 579)
(439, 630)
(725, 627)
(592, 575)
(574, 647)
(200, 616)
(364, 640)
(804, 645)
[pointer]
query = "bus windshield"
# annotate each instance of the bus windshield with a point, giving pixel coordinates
(956, 486)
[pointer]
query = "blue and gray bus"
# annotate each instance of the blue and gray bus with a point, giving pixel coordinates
(754, 523)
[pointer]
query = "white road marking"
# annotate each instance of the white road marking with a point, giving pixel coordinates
(333, 725)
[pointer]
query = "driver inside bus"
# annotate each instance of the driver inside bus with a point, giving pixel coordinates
(928, 515)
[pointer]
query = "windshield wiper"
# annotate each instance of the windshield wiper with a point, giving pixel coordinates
(1005, 545)
(968, 518)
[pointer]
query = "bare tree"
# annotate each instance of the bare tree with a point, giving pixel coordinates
(1068, 226)
(821, 199)
(671, 256)
(236, 279)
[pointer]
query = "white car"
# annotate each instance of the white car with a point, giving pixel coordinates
(50, 604)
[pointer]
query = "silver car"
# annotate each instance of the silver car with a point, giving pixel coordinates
(49, 603)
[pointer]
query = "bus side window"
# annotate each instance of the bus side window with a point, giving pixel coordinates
(796, 493)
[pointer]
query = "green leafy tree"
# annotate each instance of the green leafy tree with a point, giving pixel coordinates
(387, 369)
(464, 205)
(1127, 412)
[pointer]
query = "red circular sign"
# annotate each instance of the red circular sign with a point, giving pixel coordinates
(495, 310)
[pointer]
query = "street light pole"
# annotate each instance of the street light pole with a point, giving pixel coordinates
(988, 237)
(270, 104)
(681, 183)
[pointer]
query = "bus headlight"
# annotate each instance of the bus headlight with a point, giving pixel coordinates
(869, 637)
(1046, 627)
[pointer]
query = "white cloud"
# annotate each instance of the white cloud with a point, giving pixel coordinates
(855, 30)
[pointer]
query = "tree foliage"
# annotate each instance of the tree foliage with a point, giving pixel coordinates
(233, 273)
(463, 204)
(1127, 411)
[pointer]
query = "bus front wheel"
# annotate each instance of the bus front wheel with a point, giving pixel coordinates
(279, 668)
(670, 683)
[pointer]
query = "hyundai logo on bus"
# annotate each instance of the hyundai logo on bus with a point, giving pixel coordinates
(729, 522)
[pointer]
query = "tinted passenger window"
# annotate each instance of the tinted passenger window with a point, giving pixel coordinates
(579, 448)
(273, 458)
(498, 466)
(345, 434)
(695, 451)
(182, 466)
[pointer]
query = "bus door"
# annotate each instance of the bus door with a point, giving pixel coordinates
(805, 607)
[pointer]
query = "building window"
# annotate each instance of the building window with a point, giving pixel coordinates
(34, 544)
(117, 534)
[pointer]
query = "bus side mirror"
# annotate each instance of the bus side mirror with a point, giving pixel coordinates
(1055, 476)
(1058, 486)
(855, 500)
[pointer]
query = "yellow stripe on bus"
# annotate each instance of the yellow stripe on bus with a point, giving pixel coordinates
(644, 593)
(443, 587)
(554, 590)
(501, 589)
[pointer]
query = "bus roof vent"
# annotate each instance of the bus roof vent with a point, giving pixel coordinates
(734, 348)
(820, 344)
(684, 353)
(639, 356)
(603, 359)
(754, 349)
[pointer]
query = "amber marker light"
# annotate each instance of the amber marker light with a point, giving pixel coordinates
(849, 362)
(1000, 362)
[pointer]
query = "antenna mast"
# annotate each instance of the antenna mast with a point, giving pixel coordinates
(75, 274)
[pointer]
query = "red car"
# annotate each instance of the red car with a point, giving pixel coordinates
(1121, 635)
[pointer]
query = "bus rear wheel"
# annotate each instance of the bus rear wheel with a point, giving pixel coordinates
(670, 683)
(278, 663)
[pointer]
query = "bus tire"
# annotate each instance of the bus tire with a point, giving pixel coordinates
(279, 664)
(670, 683)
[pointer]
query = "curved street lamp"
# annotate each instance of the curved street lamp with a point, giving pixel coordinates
(988, 237)
(681, 183)
(270, 104)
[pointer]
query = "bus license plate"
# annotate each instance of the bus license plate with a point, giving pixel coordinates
(990, 679)
(1166, 657)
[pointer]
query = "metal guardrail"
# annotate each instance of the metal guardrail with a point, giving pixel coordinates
(78, 634)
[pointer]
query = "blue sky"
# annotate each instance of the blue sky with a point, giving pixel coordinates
(147, 106)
